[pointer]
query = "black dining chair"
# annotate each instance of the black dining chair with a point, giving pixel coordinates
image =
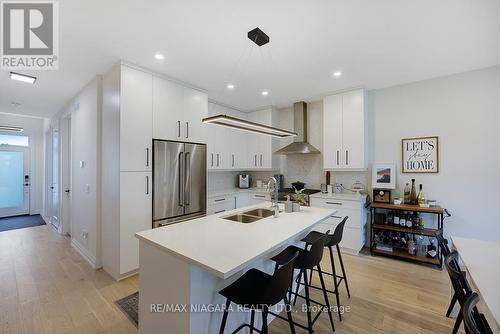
(445, 251)
(333, 240)
(307, 260)
(459, 283)
(256, 290)
(475, 322)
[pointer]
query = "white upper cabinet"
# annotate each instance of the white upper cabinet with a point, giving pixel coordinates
(167, 109)
(136, 119)
(260, 147)
(178, 111)
(226, 147)
(344, 129)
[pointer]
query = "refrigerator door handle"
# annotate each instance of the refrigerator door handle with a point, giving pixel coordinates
(181, 180)
(187, 178)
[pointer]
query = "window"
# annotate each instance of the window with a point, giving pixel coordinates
(14, 140)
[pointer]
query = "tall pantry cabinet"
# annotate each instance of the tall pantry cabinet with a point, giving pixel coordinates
(137, 107)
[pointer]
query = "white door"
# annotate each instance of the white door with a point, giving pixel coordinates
(195, 108)
(332, 131)
(167, 110)
(353, 135)
(136, 120)
(135, 215)
(54, 178)
(14, 181)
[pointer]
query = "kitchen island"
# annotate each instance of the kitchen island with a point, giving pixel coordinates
(182, 267)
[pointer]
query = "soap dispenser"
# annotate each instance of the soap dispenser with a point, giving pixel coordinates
(288, 205)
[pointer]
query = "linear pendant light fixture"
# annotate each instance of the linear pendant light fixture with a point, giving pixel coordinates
(241, 124)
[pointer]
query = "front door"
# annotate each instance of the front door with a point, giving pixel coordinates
(14, 181)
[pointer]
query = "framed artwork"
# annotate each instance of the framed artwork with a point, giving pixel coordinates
(420, 155)
(384, 176)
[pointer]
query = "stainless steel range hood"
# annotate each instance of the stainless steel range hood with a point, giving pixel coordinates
(300, 144)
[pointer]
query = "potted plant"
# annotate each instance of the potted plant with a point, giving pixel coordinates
(299, 196)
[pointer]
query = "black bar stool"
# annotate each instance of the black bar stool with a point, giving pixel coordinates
(445, 251)
(475, 322)
(332, 240)
(257, 290)
(307, 260)
(459, 283)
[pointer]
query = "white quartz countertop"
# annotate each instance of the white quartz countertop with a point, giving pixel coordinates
(224, 247)
(341, 196)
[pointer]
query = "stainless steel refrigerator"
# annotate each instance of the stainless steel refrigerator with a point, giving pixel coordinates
(179, 181)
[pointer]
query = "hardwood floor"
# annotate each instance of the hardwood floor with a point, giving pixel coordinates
(46, 287)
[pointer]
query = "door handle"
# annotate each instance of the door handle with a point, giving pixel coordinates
(187, 129)
(181, 193)
(147, 185)
(178, 128)
(187, 177)
(147, 157)
(67, 191)
(338, 154)
(233, 159)
(346, 157)
(51, 187)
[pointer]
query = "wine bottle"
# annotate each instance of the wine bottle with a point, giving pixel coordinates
(420, 197)
(413, 193)
(407, 194)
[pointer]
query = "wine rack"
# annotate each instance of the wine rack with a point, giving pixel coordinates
(429, 232)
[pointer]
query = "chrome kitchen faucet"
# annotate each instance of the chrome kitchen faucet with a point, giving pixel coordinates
(275, 204)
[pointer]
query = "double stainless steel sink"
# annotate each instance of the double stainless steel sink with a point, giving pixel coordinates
(250, 216)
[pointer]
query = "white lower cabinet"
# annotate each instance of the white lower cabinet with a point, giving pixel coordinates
(353, 238)
(219, 204)
(135, 216)
(257, 198)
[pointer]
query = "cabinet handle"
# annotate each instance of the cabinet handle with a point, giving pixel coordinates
(187, 129)
(178, 128)
(212, 159)
(260, 196)
(219, 211)
(255, 160)
(233, 159)
(336, 217)
(147, 185)
(338, 154)
(347, 157)
(334, 203)
(147, 157)
(261, 160)
(217, 159)
(219, 200)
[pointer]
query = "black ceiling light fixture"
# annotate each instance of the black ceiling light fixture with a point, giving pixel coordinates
(258, 36)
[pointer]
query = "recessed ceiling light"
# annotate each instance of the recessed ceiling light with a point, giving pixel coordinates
(159, 56)
(22, 77)
(337, 74)
(230, 86)
(265, 92)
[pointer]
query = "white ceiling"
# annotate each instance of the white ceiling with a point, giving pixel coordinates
(374, 43)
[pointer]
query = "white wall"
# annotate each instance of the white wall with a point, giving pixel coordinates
(464, 111)
(34, 128)
(85, 110)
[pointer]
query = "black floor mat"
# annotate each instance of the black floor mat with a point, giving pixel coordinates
(13, 223)
(130, 306)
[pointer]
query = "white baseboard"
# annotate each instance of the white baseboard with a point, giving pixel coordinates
(87, 256)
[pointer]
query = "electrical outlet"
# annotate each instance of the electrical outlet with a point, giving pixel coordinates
(87, 189)
(85, 235)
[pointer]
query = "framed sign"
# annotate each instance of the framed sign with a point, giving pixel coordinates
(420, 155)
(384, 176)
